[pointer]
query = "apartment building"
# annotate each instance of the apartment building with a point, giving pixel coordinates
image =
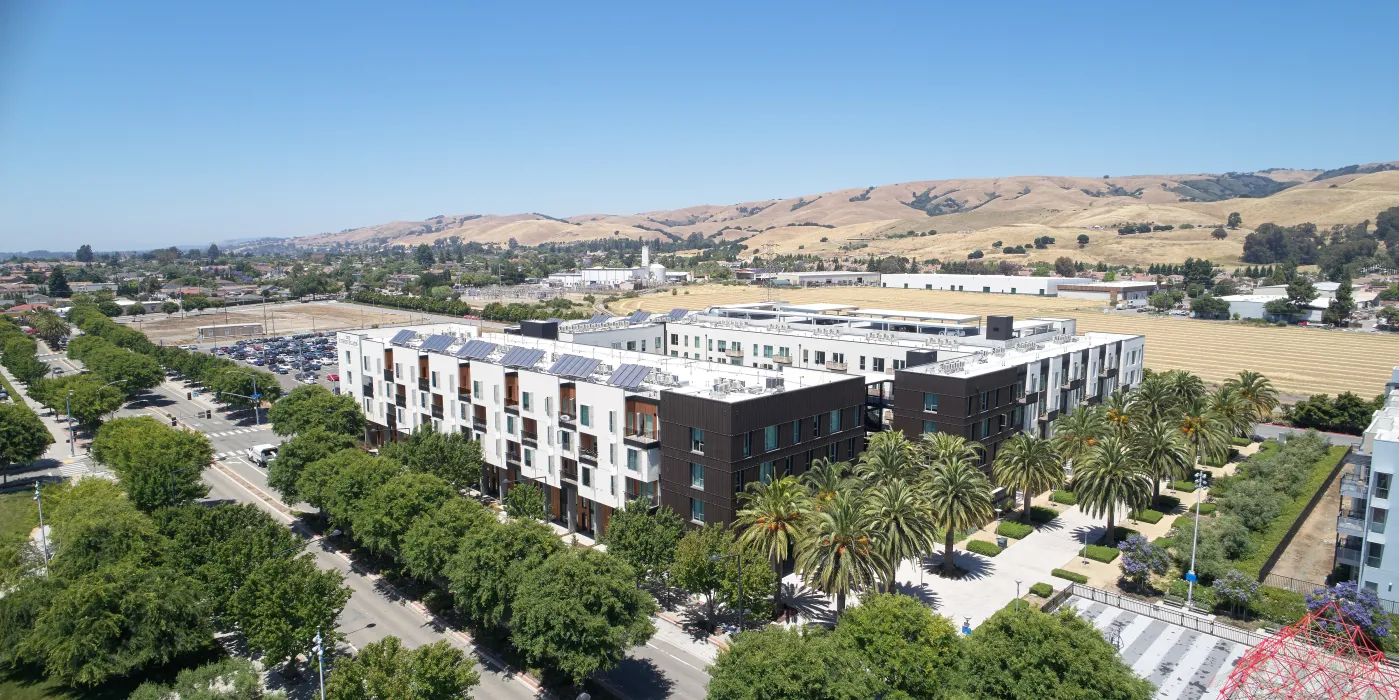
(1365, 486)
(598, 426)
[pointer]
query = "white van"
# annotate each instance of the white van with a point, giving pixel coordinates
(261, 455)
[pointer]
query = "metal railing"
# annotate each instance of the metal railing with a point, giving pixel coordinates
(587, 452)
(1288, 583)
(529, 435)
(1182, 618)
(1350, 522)
(1346, 555)
(733, 352)
(1353, 486)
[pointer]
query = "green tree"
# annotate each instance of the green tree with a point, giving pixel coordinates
(646, 541)
(213, 253)
(1161, 301)
(1076, 434)
(824, 480)
(449, 455)
(155, 464)
(960, 498)
(94, 525)
(491, 562)
(1235, 220)
(1209, 306)
(1219, 233)
(386, 513)
(902, 524)
(282, 605)
(783, 663)
(23, 437)
(771, 518)
(83, 394)
(1234, 412)
(693, 568)
(840, 554)
(1030, 465)
(525, 501)
(169, 307)
(1206, 435)
(911, 651)
(295, 454)
(1031, 655)
(423, 256)
(386, 670)
(58, 283)
(1342, 307)
(1257, 390)
(1082, 240)
(1161, 450)
(1110, 475)
(435, 536)
(579, 613)
(313, 407)
(230, 679)
(48, 325)
(115, 621)
(1064, 266)
(233, 386)
(84, 253)
(350, 485)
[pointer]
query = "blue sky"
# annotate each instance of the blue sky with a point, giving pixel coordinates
(135, 124)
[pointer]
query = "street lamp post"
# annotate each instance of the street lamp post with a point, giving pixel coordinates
(68, 404)
(1195, 540)
(43, 534)
(1017, 595)
(739, 556)
(320, 660)
(256, 398)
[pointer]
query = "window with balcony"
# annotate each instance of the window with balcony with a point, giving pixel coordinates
(697, 476)
(697, 440)
(930, 402)
(770, 438)
(696, 510)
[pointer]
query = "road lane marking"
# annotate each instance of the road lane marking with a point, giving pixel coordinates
(673, 656)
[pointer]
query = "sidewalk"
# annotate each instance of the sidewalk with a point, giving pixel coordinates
(57, 454)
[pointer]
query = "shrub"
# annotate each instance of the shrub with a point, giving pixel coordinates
(1235, 588)
(1103, 554)
(1065, 497)
(1119, 534)
(1240, 441)
(1186, 486)
(1359, 605)
(1208, 508)
(1041, 514)
(1166, 504)
(1279, 605)
(1042, 590)
(1069, 576)
(1141, 559)
(1014, 530)
(1204, 596)
(984, 548)
(1147, 516)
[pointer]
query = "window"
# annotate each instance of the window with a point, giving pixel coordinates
(510, 424)
(366, 363)
(709, 345)
(796, 431)
(985, 396)
(658, 343)
(633, 460)
(767, 351)
(529, 457)
(835, 421)
(587, 476)
(986, 428)
(434, 379)
(697, 341)
(526, 400)
(397, 370)
(816, 426)
(422, 399)
(747, 444)
(723, 345)
(1377, 518)
(878, 364)
(612, 480)
(862, 363)
(930, 427)
(612, 454)
(930, 402)
(585, 415)
(674, 339)
(820, 357)
(1382, 484)
(611, 421)
(476, 388)
(696, 510)
(770, 438)
(833, 451)
(697, 440)
(697, 476)
(461, 411)
(1376, 554)
(687, 341)
(766, 472)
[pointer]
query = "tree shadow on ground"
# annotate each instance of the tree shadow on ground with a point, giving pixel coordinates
(968, 566)
(640, 678)
(812, 605)
(922, 591)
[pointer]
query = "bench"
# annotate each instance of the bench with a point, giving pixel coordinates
(1174, 601)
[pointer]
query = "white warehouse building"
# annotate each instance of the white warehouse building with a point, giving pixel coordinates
(988, 284)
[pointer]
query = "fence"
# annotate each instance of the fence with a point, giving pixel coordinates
(1170, 615)
(1291, 584)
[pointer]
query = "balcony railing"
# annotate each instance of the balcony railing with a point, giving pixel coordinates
(734, 351)
(437, 412)
(463, 394)
(422, 384)
(388, 375)
(400, 400)
(478, 423)
(512, 457)
(530, 435)
(643, 437)
(782, 359)
(1355, 486)
(1349, 524)
(569, 473)
(835, 366)
(1346, 555)
(368, 390)
(588, 453)
(1020, 399)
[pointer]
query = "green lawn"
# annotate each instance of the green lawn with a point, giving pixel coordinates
(18, 515)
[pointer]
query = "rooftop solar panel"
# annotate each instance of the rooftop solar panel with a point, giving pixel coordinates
(402, 337)
(677, 314)
(640, 316)
(437, 343)
(476, 350)
(629, 376)
(574, 366)
(521, 357)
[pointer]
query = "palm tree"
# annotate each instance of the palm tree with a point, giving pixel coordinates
(889, 455)
(1160, 448)
(839, 554)
(959, 497)
(942, 447)
(824, 480)
(1257, 391)
(1232, 409)
(1205, 434)
(771, 519)
(1076, 433)
(49, 326)
(1029, 464)
(1184, 386)
(1153, 398)
(1117, 412)
(1110, 475)
(902, 524)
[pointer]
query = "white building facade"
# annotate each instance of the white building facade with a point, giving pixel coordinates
(986, 284)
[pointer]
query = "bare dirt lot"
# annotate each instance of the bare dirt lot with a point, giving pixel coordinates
(1299, 361)
(280, 319)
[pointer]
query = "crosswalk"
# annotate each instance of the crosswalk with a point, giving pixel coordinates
(74, 468)
(238, 431)
(1183, 664)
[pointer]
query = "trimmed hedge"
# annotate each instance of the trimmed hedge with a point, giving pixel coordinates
(1208, 508)
(1148, 516)
(1265, 542)
(1065, 497)
(984, 548)
(1069, 576)
(1279, 605)
(1042, 590)
(1042, 514)
(1186, 486)
(1103, 554)
(1014, 530)
(1240, 441)
(1119, 534)
(1166, 504)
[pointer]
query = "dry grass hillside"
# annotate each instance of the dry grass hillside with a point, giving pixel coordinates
(1298, 360)
(966, 213)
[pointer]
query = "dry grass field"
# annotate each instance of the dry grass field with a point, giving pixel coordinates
(281, 319)
(1299, 361)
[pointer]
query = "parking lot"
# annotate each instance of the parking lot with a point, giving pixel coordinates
(303, 358)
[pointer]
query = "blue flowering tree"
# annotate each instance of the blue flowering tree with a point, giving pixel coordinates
(1359, 606)
(1237, 589)
(1140, 559)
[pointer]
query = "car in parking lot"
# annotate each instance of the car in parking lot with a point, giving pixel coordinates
(333, 377)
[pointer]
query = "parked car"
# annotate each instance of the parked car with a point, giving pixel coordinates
(333, 377)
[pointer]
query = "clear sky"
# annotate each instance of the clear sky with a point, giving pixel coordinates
(138, 124)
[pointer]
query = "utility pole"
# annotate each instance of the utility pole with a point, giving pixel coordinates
(1195, 540)
(68, 402)
(320, 659)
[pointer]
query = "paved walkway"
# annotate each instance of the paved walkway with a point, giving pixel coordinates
(1183, 664)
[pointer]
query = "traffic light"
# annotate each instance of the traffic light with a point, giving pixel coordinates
(189, 396)
(209, 413)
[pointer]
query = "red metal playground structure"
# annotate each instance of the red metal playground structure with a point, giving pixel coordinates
(1323, 656)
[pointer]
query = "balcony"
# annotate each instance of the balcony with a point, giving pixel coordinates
(1355, 486)
(835, 366)
(1066, 383)
(1020, 399)
(569, 471)
(782, 359)
(400, 400)
(1348, 524)
(512, 458)
(437, 412)
(423, 385)
(735, 352)
(588, 454)
(1346, 555)
(478, 423)
(367, 390)
(1107, 371)
(529, 436)
(463, 394)
(388, 375)
(643, 439)
(566, 422)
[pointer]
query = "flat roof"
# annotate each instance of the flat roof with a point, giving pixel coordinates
(819, 308)
(920, 315)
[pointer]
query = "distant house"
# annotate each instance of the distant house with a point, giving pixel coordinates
(38, 299)
(22, 309)
(90, 287)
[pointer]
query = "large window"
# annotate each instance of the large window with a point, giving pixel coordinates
(697, 440)
(770, 438)
(766, 472)
(697, 475)
(835, 421)
(696, 510)
(633, 460)
(796, 431)
(930, 401)
(586, 415)
(930, 427)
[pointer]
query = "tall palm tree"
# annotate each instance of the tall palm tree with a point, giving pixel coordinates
(1111, 475)
(771, 519)
(1232, 409)
(1205, 434)
(839, 554)
(1160, 448)
(1257, 391)
(942, 447)
(49, 326)
(1184, 386)
(1117, 412)
(959, 497)
(1153, 398)
(1075, 434)
(824, 480)
(889, 455)
(1028, 464)
(902, 524)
